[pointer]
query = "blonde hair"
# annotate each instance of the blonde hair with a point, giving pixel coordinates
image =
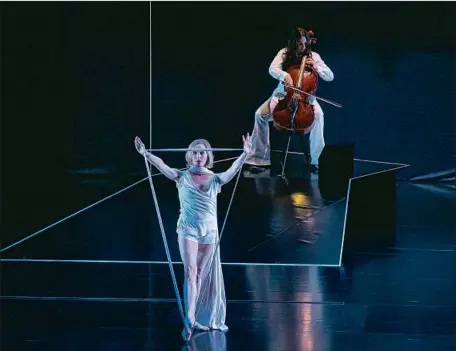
(210, 154)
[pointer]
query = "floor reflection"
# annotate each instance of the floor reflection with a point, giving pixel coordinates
(207, 341)
(275, 319)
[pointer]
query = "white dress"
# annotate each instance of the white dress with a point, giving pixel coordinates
(198, 222)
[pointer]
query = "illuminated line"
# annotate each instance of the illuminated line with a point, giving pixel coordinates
(158, 299)
(348, 203)
(355, 159)
(68, 217)
(150, 74)
(386, 170)
(162, 262)
(382, 162)
(190, 149)
(345, 222)
(90, 206)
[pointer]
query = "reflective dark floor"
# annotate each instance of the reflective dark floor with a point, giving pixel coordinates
(270, 220)
(399, 299)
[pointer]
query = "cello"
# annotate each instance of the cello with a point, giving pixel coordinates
(295, 113)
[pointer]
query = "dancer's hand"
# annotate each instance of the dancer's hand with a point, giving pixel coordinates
(247, 144)
(140, 146)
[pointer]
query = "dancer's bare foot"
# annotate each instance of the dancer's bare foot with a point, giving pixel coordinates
(186, 332)
(200, 327)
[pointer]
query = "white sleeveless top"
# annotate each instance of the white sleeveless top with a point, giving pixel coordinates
(197, 205)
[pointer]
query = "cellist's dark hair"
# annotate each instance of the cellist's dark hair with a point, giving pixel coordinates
(291, 54)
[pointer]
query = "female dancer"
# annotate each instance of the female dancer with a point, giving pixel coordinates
(197, 230)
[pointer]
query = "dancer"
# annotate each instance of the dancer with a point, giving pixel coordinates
(285, 58)
(197, 229)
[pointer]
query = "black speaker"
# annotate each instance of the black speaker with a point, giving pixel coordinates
(335, 170)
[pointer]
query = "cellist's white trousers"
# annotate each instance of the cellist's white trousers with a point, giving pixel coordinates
(260, 134)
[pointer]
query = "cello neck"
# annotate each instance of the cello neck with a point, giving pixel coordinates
(301, 71)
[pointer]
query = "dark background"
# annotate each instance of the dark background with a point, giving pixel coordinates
(75, 88)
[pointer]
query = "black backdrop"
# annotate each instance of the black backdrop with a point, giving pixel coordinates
(394, 66)
(75, 83)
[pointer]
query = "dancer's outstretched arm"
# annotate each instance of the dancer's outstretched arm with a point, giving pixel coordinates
(171, 173)
(226, 176)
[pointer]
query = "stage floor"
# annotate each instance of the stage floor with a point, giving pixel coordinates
(270, 221)
(99, 280)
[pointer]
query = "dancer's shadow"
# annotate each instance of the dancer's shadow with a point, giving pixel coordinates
(206, 341)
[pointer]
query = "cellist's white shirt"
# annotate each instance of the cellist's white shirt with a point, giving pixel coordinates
(264, 113)
(276, 71)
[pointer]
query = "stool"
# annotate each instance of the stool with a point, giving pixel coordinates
(286, 150)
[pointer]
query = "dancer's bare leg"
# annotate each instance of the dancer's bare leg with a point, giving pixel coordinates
(189, 251)
(205, 253)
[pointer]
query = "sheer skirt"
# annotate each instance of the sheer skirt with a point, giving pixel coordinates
(210, 298)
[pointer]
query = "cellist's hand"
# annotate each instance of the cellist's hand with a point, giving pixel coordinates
(310, 61)
(288, 80)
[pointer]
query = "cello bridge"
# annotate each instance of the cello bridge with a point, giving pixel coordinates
(296, 96)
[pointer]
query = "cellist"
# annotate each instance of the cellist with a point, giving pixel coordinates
(286, 57)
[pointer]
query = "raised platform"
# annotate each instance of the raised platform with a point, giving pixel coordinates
(271, 221)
